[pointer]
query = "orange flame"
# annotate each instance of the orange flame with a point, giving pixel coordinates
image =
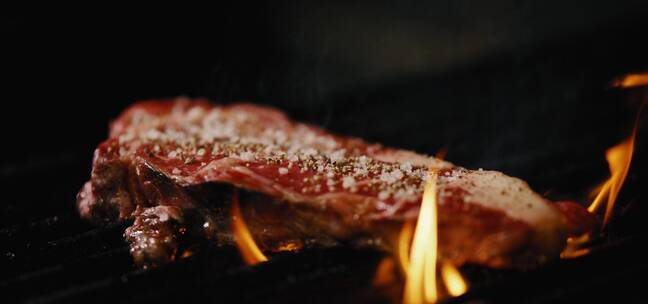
(454, 282)
(419, 262)
(420, 285)
(404, 242)
(384, 272)
(631, 80)
(247, 247)
(619, 159)
(575, 248)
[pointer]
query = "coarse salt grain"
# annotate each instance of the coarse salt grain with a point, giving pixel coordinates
(348, 182)
(163, 216)
(383, 195)
(397, 174)
(406, 167)
(337, 156)
(309, 152)
(153, 134)
(246, 156)
(126, 137)
(283, 171)
(391, 177)
(194, 113)
(361, 171)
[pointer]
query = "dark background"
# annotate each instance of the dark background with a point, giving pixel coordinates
(517, 86)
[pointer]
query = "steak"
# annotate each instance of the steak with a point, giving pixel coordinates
(172, 167)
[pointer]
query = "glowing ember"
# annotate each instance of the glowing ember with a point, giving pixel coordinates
(632, 80)
(453, 280)
(186, 254)
(247, 247)
(289, 246)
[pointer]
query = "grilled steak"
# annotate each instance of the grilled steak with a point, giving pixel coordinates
(171, 167)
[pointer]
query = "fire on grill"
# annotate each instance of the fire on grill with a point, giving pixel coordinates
(418, 242)
(176, 167)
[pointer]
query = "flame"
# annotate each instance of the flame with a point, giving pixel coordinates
(420, 285)
(441, 154)
(619, 159)
(419, 262)
(631, 80)
(575, 247)
(247, 247)
(404, 241)
(385, 272)
(454, 282)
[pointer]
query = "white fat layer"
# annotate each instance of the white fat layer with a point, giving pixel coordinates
(494, 190)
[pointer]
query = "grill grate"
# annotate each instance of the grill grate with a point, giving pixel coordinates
(60, 259)
(95, 266)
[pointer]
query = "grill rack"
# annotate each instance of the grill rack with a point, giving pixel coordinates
(63, 259)
(49, 255)
(95, 265)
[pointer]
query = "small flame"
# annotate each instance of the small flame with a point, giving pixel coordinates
(619, 159)
(441, 154)
(575, 247)
(420, 286)
(631, 80)
(247, 247)
(419, 262)
(289, 246)
(385, 272)
(454, 282)
(404, 243)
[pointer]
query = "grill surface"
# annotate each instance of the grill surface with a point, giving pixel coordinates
(532, 102)
(58, 258)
